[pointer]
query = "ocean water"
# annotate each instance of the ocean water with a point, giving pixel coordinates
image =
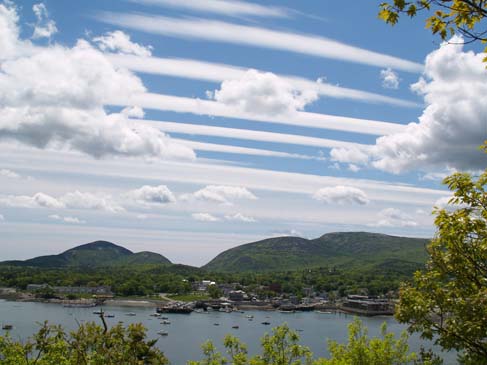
(186, 333)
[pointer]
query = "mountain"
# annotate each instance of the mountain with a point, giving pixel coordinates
(340, 249)
(94, 254)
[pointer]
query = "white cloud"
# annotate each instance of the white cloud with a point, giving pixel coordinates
(66, 219)
(153, 194)
(262, 136)
(240, 217)
(197, 106)
(38, 200)
(71, 200)
(224, 148)
(120, 42)
(216, 72)
(55, 97)
(438, 176)
(390, 79)
(353, 168)
(205, 217)
(86, 200)
(287, 233)
(350, 154)
(452, 126)
(133, 112)
(9, 31)
(221, 194)
(444, 203)
(259, 37)
(44, 27)
(263, 93)
(9, 173)
(392, 217)
(223, 7)
(341, 195)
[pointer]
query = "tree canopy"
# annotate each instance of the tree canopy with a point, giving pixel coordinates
(90, 344)
(447, 301)
(466, 17)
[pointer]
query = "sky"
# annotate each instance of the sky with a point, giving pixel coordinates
(187, 128)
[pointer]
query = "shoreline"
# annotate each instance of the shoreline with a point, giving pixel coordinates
(153, 303)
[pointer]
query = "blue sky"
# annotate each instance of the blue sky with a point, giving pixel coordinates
(189, 128)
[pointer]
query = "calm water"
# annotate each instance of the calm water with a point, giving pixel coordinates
(188, 332)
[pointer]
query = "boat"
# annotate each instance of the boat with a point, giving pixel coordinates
(266, 323)
(110, 315)
(7, 327)
(130, 314)
(175, 309)
(79, 305)
(98, 312)
(236, 327)
(166, 322)
(164, 317)
(216, 324)
(155, 314)
(163, 333)
(249, 316)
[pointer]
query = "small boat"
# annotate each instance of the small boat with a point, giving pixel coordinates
(216, 324)
(98, 312)
(236, 327)
(164, 318)
(249, 316)
(7, 327)
(162, 333)
(110, 316)
(155, 315)
(266, 323)
(166, 322)
(130, 314)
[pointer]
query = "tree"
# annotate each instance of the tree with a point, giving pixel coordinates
(361, 350)
(214, 291)
(89, 345)
(447, 302)
(467, 17)
(282, 348)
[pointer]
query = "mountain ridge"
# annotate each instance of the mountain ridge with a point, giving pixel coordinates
(93, 254)
(337, 249)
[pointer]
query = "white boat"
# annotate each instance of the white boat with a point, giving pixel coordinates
(130, 314)
(162, 333)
